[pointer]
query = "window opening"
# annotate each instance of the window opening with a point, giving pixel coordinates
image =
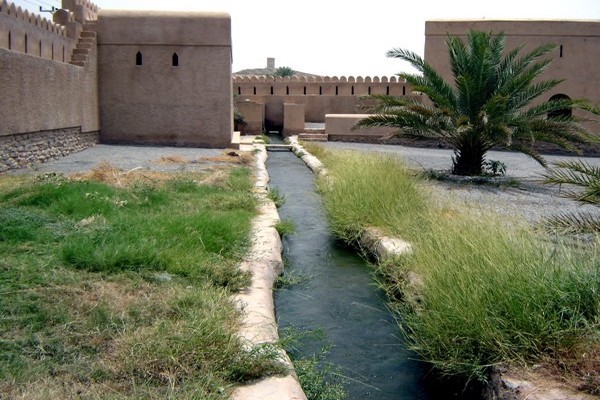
(9, 40)
(175, 60)
(352, 89)
(387, 90)
(287, 90)
(403, 90)
(254, 90)
(563, 112)
(26, 43)
(271, 89)
(561, 51)
(138, 58)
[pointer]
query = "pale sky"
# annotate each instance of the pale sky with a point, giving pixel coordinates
(335, 38)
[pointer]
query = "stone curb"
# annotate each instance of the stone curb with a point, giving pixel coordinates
(259, 325)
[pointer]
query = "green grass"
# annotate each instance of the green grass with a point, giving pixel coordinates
(371, 191)
(124, 292)
(285, 227)
(276, 197)
(477, 290)
(320, 380)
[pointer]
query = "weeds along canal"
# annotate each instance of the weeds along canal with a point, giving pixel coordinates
(332, 290)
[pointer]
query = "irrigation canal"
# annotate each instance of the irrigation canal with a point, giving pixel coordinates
(336, 295)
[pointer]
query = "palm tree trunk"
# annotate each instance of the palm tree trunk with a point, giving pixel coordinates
(468, 159)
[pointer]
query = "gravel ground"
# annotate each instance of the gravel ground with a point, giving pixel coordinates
(129, 157)
(528, 198)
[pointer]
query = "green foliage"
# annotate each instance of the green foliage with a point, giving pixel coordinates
(284, 71)
(488, 105)
(494, 167)
(320, 380)
(263, 138)
(285, 227)
(276, 197)
(125, 292)
(238, 120)
(582, 182)
(476, 291)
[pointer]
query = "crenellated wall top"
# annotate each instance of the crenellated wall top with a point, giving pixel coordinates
(17, 12)
(309, 79)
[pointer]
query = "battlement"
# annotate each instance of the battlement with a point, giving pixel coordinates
(316, 79)
(16, 12)
(260, 85)
(83, 10)
(29, 33)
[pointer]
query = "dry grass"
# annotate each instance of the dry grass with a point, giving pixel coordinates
(172, 159)
(109, 174)
(232, 156)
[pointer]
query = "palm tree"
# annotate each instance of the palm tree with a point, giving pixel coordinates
(284, 71)
(488, 105)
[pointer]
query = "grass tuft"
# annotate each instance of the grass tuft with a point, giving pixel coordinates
(285, 227)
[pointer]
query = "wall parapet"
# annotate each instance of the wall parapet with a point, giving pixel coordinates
(35, 20)
(319, 79)
(261, 85)
(32, 34)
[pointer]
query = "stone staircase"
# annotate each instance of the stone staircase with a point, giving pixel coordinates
(85, 44)
(313, 135)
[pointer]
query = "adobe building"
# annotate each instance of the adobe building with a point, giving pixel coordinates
(262, 99)
(576, 58)
(165, 78)
(94, 76)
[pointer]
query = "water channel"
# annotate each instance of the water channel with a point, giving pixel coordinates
(339, 297)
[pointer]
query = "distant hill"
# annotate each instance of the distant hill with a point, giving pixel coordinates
(269, 71)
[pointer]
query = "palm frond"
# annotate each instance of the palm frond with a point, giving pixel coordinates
(521, 148)
(573, 223)
(576, 173)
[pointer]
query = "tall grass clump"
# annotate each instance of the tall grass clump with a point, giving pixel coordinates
(370, 191)
(491, 295)
(476, 291)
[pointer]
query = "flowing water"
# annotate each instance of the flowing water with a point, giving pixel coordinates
(338, 296)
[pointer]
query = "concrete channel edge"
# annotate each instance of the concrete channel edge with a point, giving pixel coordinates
(259, 326)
